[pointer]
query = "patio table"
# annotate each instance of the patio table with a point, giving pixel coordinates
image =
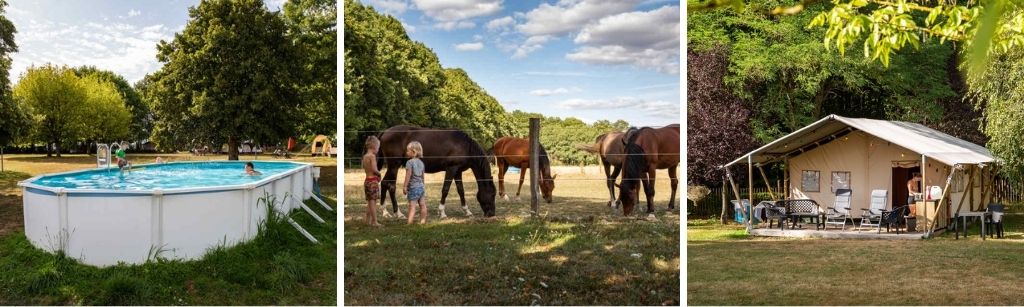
(982, 215)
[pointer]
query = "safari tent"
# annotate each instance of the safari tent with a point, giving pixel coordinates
(866, 154)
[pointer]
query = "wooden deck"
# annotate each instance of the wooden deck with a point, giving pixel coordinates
(865, 234)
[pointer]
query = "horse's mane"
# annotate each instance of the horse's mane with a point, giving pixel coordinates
(635, 162)
(545, 162)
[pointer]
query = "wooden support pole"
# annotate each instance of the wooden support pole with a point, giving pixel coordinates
(534, 165)
(766, 183)
(724, 202)
(942, 201)
(750, 192)
(971, 188)
(924, 188)
(785, 178)
(735, 189)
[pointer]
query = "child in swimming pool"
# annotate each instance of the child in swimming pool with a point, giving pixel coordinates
(122, 162)
(251, 170)
(413, 188)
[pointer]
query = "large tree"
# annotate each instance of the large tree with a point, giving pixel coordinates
(141, 122)
(312, 27)
(67, 108)
(14, 118)
(391, 80)
(228, 76)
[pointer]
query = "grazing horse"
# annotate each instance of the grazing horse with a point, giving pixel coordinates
(609, 147)
(450, 151)
(511, 151)
(648, 150)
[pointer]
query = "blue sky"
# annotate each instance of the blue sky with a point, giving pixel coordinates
(119, 36)
(589, 59)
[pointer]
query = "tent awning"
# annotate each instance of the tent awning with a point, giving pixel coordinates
(916, 137)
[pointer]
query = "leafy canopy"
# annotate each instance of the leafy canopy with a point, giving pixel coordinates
(228, 76)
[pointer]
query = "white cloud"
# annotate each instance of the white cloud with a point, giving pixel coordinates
(500, 23)
(455, 14)
(392, 7)
(408, 27)
(570, 16)
(134, 12)
(469, 46)
(533, 43)
(125, 49)
(557, 91)
(655, 108)
(565, 17)
(641, 39)
(452, 25)
(478, 37)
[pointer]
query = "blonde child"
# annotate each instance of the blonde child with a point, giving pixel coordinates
(413, 187)
(371, 185)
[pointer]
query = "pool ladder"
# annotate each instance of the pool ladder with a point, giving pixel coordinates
(103, 155)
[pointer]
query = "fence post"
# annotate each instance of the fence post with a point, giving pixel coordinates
(534, 165)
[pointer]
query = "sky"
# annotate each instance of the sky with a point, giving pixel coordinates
(589, 59)
(120, 36)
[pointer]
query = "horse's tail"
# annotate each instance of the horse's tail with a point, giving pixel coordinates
(591, 148)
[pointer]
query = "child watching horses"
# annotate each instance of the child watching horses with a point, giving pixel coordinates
(413, 188)
(371, 185)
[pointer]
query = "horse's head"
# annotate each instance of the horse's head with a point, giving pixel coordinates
(633, 169)
(485, 195)
(629, 195)
(547, 185)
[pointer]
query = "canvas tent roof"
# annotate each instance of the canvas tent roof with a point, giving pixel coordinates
(916, 137)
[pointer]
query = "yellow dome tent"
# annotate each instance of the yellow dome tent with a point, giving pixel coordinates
(321, 146)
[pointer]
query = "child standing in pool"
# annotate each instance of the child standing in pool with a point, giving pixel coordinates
(414, 169)
(122, 162)
(371, 185)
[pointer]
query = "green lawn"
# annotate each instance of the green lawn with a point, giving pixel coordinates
(279, 267)
(726, 267)
(579, 253)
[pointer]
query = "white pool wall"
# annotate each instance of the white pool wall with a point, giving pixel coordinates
(107, 227)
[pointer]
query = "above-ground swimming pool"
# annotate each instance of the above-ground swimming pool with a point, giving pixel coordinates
(176, 210)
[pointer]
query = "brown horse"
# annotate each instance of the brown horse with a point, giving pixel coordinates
(609, 147)
(449, 151)
(512, 151)
(648, 150)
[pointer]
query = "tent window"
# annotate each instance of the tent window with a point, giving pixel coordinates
(840, 180)
(959, 182)
(811, 181)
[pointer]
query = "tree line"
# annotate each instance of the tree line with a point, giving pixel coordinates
(754, 76)
(391, 80)
(236, 72)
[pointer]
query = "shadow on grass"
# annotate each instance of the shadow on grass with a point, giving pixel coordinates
(514, 259)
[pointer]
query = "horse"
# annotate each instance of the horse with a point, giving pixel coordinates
(451, 151)
(609, 147)
(512, 151)
(648, 150)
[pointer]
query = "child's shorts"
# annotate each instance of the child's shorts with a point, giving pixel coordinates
(371, 187)
(415, 193)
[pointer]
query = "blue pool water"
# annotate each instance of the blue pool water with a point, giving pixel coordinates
(167, 176)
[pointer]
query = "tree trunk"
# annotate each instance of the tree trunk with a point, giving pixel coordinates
(232, 148)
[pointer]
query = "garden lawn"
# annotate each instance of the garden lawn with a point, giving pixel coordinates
(727, 267)
(279, 267)
(578, 253)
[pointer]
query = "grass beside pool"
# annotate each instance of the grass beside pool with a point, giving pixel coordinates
(724, 268)
(280, 267)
